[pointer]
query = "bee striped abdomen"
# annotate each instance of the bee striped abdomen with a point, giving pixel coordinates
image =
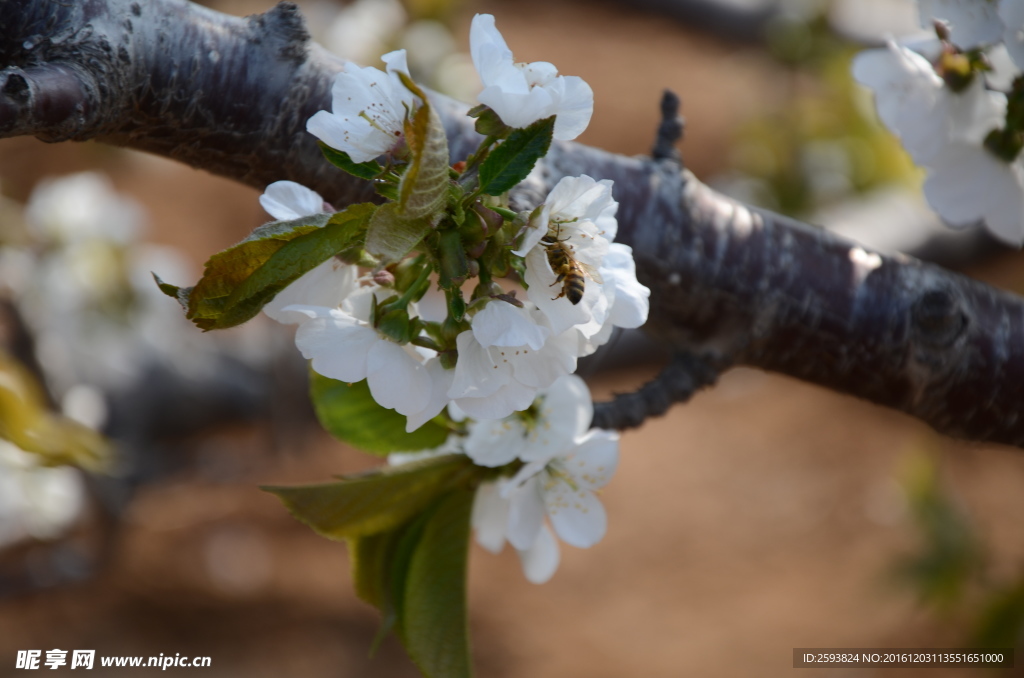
(567, 270)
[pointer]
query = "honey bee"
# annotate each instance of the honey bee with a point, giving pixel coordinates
(569, 272)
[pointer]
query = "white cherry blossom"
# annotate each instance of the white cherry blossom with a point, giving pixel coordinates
(944, 131)
(561, 490)
(558, 416)
(564, 489)
(521, 93)
(36, 501)
(566, 465)
(492, 382)
(82, 207)
(578, 216)
(368, 110)
(914, 103)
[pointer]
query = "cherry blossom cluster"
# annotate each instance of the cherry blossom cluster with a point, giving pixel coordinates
(424, 305)
(511, 349)
(955, 102)
(395, 328)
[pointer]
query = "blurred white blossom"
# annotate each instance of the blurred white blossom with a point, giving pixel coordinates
(36, 501)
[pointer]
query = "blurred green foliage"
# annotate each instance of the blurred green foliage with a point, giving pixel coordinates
(826, 143)
(948, 569)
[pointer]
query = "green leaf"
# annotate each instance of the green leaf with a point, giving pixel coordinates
(371, 558)
(237, 282)
(432, 616)
(179, 294)
(391, 236)
(380, 563)
(228, 269)
(350, 413)
(374, 502)
(512, 161)
(380, 567)
(364, 170)
(292, 261)
(423, 189)
(488, 123)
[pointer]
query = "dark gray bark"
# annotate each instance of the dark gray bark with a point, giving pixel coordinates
(730, 284)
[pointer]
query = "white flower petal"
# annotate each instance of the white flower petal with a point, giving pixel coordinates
(968, 183)
(595, 459)
(325, 286)
(631, 299)
(582, 198)
(396, 62)
(545, 290)
(487, 46)
(1012, 14)
(337, 346)
(563, 416)
(907, 90)
(432, 307)
(490, 517)
(526, 514)
(440, 382)
(496, 442)
(575, 108)
(576, 514)
(502, 324)
(287, 200)
(588, 345)
(397, 380)
(512, 397)
(541, 560)
(477, 373)
(1004, 66)
(540, 369)
(515, 109)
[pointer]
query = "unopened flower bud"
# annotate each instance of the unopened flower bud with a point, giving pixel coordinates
(492, 221)
(384, 278)
(510, 297)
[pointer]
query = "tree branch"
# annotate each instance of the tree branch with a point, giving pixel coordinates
(676, 383)
(729, 283)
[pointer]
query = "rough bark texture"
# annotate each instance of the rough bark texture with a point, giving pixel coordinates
(729, 283)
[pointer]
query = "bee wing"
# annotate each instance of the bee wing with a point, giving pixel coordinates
(591, 272)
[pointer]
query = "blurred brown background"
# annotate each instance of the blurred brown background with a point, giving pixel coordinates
(764, 515)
